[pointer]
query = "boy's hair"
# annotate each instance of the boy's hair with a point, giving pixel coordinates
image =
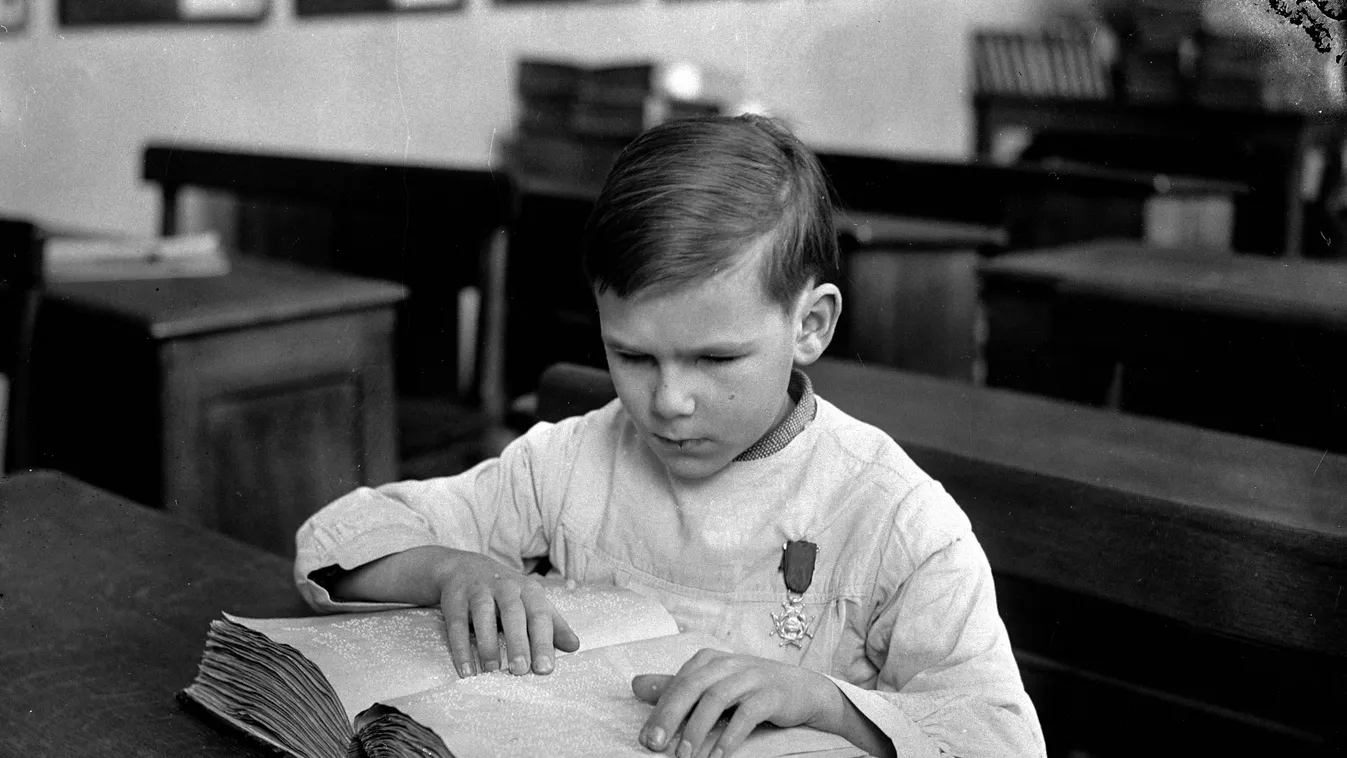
(687, 198)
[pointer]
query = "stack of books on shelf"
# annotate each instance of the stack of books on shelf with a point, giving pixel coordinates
(573, 119)
(1039, 64)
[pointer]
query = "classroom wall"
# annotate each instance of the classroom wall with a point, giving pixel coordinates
(78, 104)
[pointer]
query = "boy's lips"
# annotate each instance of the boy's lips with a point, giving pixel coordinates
(680, 443)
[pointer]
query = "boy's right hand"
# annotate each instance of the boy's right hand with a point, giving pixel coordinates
(476, 592)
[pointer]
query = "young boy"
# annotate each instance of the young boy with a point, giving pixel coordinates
(711, 253)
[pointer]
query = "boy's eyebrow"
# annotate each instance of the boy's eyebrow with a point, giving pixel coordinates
(713, 348)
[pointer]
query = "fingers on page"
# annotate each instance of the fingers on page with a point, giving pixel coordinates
(484, 629)
(457, 630)
(514, 620)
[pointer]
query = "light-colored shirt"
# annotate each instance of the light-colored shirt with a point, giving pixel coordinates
(902, 609)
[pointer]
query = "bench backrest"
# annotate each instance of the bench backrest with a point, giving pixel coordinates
(428, 227)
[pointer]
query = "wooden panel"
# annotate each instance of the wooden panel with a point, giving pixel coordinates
(912, 309)
(289, 369)
(286, 451)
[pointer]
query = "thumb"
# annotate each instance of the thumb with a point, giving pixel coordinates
(648, 687)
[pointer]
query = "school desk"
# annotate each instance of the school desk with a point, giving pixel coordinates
(104, 607)
(244, 402)
(1143, 566)
(1242, 343)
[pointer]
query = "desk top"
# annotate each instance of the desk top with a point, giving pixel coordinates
(256, 291)
(104, 607)
(893, 232)
(1291, 291)
(1117, 506)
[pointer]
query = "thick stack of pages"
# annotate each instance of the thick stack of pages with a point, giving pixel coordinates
(382, 684)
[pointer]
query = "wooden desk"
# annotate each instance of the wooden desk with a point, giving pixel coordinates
(244, 402)
(909, 291)
(104, 607)
(1240, 343)
(1140, 563)
(1274, 143)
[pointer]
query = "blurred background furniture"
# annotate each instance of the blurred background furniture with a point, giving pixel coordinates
(243, 402)
(911, 231)
(909, 277)
(106, 607)
(439, 231)
(1175, 87)
(21, 284)
(1240, 343)
(1266, 150)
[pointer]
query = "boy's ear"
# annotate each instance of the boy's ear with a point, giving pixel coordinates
(818, 311)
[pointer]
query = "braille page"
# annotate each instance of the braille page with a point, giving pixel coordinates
(584, 708)
(373, 657)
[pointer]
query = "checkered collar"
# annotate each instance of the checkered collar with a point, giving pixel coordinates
(801, 390)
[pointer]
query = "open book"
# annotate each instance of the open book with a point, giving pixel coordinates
(383, 684)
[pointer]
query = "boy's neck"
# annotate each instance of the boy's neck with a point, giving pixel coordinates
(797, 411)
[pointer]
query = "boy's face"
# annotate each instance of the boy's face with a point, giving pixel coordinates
(702, 370)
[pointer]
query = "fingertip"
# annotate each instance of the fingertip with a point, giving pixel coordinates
(567, 641)
(542, 664)
(649, 687)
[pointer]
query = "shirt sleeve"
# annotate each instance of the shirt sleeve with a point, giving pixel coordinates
(496, 508)
(948, 683)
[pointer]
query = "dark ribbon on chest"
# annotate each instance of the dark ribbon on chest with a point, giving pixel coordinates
(797, 564)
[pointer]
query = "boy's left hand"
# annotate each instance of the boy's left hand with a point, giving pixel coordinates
(712, 682)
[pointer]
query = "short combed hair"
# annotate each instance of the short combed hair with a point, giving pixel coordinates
(688, 198)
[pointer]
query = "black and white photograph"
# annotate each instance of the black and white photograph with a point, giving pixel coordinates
(695, 378)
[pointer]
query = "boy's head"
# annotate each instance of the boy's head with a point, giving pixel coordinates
(687, 199)
(711, 252)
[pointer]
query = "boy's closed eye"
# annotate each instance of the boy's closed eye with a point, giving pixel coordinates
(712, 359)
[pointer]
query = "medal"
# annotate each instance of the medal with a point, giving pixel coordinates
(797, 566)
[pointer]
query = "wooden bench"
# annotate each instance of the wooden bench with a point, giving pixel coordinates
(1168, 589)
(436, 229)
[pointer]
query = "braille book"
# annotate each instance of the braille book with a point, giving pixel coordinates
(366, 684)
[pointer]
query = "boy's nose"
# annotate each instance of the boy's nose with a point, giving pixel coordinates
(673, 398)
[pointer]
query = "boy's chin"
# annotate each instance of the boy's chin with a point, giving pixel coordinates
(687, 468)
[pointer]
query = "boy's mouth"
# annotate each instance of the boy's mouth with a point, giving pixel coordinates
(682, 445)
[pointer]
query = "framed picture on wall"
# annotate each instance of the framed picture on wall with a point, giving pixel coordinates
(95, 12)
(13, 15)
(338, 7)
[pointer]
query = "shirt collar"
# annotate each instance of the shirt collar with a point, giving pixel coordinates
(801, 390)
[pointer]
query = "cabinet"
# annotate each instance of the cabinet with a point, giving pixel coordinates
(243, 402)
(1267, 150)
